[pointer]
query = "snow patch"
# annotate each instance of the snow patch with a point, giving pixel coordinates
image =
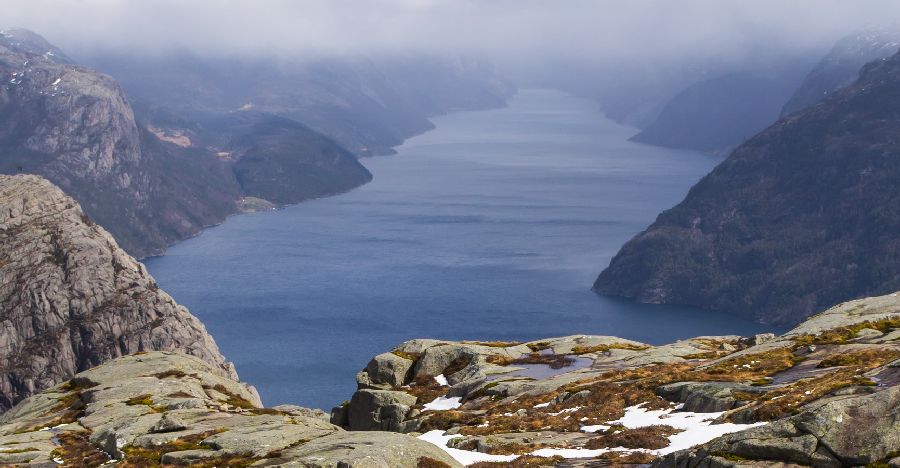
(698, 427)
(441, 380)
(465, 457)
(444, 403)
(595, 428)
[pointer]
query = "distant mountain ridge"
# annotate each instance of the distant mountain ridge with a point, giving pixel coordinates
(801, 217)
(366, 104)
(152, 183)
(716, 114)
(840, 67)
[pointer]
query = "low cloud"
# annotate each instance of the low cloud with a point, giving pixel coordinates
(592, 29)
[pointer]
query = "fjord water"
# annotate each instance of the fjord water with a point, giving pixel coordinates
(493, 226)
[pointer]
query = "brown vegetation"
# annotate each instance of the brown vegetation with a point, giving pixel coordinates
(650, 437)
(844, 334)
(75, 449)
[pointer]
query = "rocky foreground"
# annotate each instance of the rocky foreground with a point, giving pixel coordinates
(169, 409)
(824, 394)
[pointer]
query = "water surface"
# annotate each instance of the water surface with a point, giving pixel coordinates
(493, 226)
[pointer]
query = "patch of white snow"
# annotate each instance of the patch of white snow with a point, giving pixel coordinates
(444, 403)
(465, 457)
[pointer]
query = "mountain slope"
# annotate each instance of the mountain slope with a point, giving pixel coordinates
(841, 66)
(366, 104)
(75, 127)
(70, 298)
(802, 216)
(157, 184)
(717, 114)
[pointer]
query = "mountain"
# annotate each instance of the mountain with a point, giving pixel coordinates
(840, 67)
(366, 104)
(824, 394)
(70, 298)
(800, 217)
(151, 184)
(715, 115)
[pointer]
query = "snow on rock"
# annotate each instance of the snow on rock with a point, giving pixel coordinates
(465, 457)
(570, 452)
(595, 428)
(542, 405)
(698, 427)
(444, 403)
(441, 380)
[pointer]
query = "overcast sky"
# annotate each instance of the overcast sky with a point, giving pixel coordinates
(590, 28)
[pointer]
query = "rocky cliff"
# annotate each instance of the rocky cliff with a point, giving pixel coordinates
(801, 217)
(75, 127)
(826, 393)
(152, 183)
(71, 299)
(840, 67)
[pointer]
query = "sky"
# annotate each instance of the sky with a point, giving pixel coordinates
(600, 29)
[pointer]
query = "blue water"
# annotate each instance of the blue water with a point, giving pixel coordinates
(492, 226)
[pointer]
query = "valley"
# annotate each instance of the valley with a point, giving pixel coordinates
(488, 227)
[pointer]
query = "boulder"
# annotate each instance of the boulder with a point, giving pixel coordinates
(389, 368)
(379, 410)
(705, 397)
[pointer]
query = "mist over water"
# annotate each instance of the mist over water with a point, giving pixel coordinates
(492, 226)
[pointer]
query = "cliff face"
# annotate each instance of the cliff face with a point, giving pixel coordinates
(840, 67)
(75, 127)
(153, 183)
(801, 217)
(71, 299)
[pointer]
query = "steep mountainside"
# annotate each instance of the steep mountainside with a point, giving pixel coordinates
(70, 298)
(75, 127)
(717, 114)
(151, 186)
(802, 216)
(841, 66)
(366, 104)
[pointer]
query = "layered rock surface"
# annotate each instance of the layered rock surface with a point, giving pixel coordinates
(823, 394)
(170, 409)
(71, 299)
(799, 218)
